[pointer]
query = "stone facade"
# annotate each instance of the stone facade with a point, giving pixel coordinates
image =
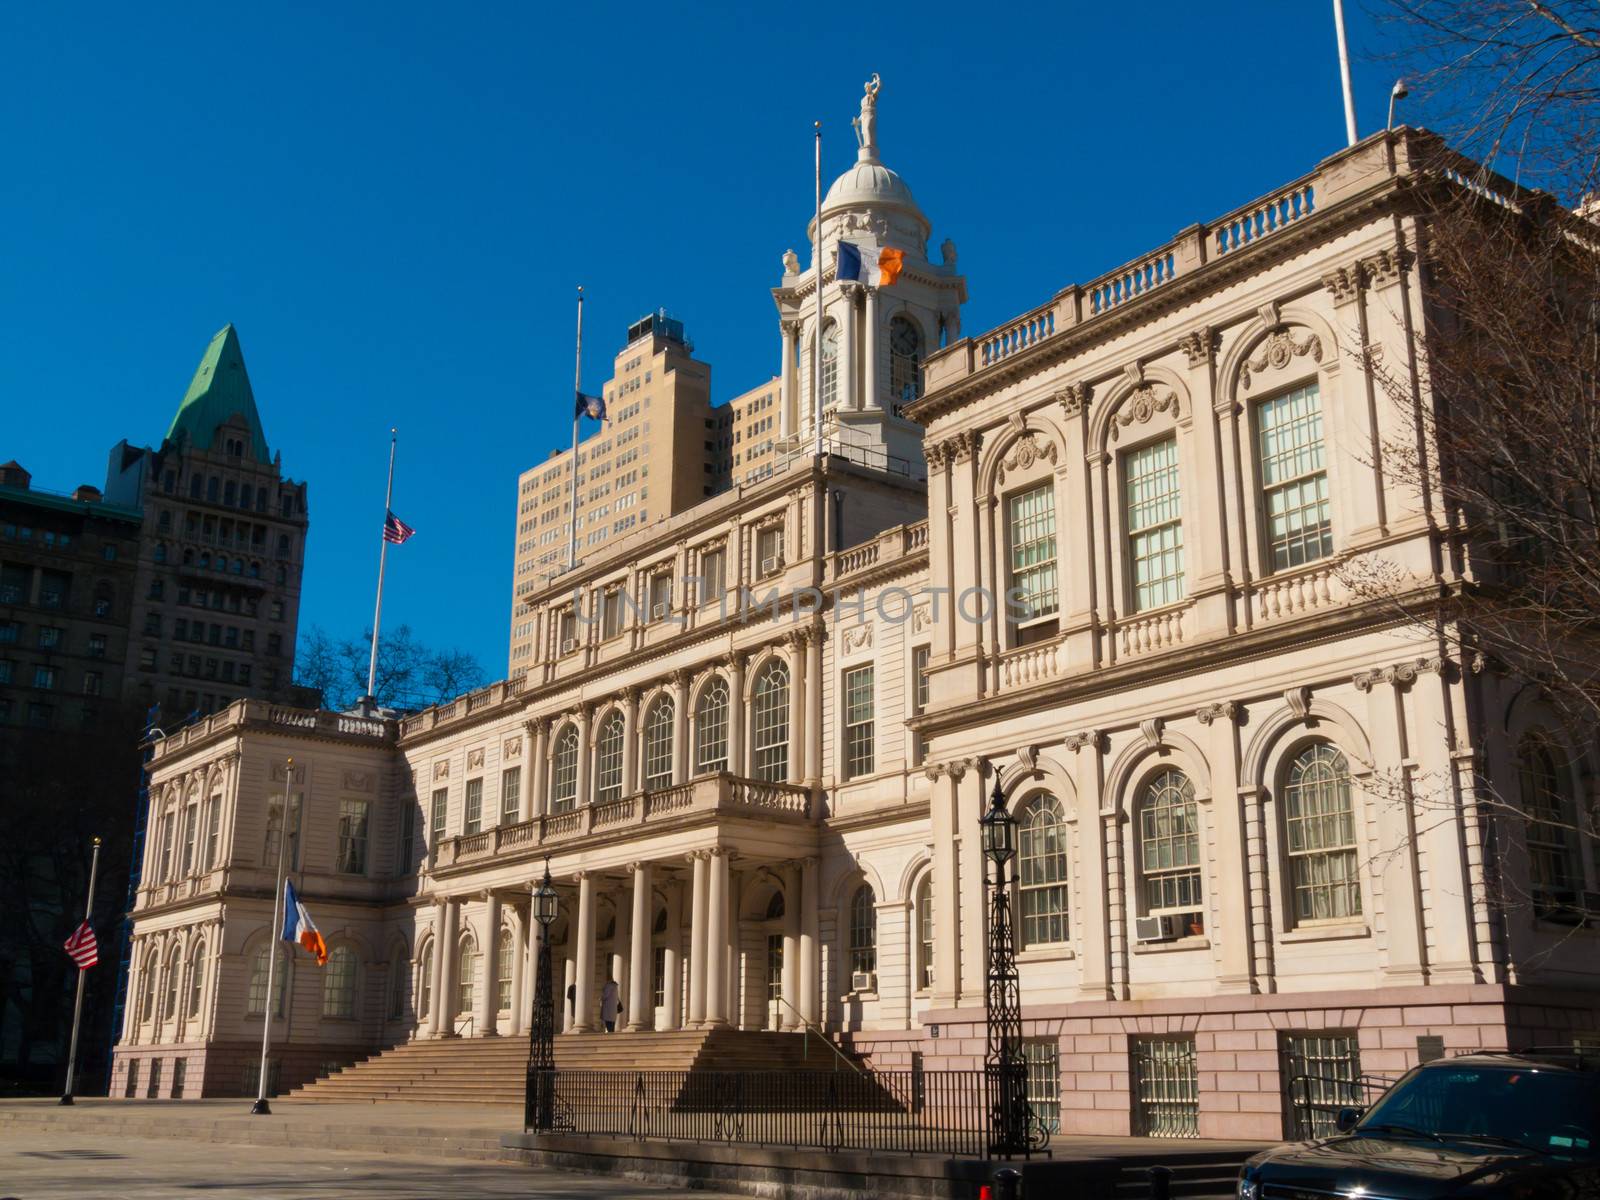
(753, 742)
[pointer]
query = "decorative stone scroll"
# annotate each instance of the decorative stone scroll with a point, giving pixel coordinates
(1278, 351)
(1141, 404)
(1029, 450)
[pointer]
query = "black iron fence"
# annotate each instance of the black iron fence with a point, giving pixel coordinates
(911, 1112)
(1315, 1101)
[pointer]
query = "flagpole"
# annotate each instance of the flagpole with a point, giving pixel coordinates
(77, 1005)
(1344, 73)
(261, 1108)
(577, 391)
(369, 702)
(816, 341)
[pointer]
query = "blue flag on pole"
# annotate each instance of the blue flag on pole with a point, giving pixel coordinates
(848, 262)
(590, 406)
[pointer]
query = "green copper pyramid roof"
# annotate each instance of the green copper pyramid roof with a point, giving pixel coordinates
(220, 388)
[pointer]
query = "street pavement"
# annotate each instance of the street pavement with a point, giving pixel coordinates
(46, 1165)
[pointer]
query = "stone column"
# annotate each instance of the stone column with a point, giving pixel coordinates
(1389, 790)
(672, 969)
(1093, 919)
(788, 390)
(716, 985)
(810, 944)
(1232, 935)
(736, 756)
(569, 979)
(585, 757)
(630, 742)
(814, 690)
(946, 907)
(641, 1009)
(584, 1014)
(521, 967)
(791, 947)
(436, 972)
(489, 1002)
(680, 726)
(849, 397)
(797, 707)
(449, 950)
(869, 354)
(539, 767)
(1431, 746)
(698, 922)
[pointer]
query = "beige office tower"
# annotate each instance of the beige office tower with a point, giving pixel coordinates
(661, 449)
(752, 420)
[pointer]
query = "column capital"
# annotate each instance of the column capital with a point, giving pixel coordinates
(1199, 346)
(1074, 399)
(1399, 675)
(1093, 739)
(1225, 710)
(681, 678)
(635, 867)
(790, 327)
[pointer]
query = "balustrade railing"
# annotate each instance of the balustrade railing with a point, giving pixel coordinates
(1155, 631)
(1289, 595)
(1263, 217)
(1126, 283)
(1027, 330)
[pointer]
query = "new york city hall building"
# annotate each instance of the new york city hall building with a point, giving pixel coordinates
(1095, 557)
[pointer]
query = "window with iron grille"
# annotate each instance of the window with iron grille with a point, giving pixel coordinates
(354, 816)
(564, 771)
(1042, 872)
(154, 1088)
(769, 723)
(859, 753)
(608, 758)
(1169, 844)
(1043, 1058)
(1155, 524)
(1320, 830)
(863, 931)
(436, 816)
(711, 728)
(1166, 1088)
(1321, 1074)
(510, 795)
(131, 1088)
(1032, 520)
(1294, 478)
(658, 744)
(1553, 862)
(474, 817)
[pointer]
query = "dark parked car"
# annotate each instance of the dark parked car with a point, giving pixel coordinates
(1525, 1126)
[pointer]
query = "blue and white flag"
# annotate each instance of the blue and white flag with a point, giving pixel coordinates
(590, 406)
(847, 262)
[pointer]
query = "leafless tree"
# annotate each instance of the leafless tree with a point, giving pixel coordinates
(409, 676)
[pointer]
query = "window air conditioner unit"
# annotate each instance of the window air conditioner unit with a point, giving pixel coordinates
(568, 646)
(769, 566)
(658, 612)
(1157, 929)
(864, 981)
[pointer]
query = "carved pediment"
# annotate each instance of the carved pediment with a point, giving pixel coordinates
(1140, 405)
(1028, 450)
(1278, 351)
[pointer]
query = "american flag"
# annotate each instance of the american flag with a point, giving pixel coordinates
(395, 530)
(81, 947)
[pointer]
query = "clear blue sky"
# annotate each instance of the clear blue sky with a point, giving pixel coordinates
(394, 203)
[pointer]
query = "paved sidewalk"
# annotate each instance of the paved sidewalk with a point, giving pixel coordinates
(85, 1166)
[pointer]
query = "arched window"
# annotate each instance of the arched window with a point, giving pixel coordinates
(256, 998)
(830, 364)
(775, 907)
(608, 759)
(147, 1005)
(1169, 844)
(925, 932)
(503, 959)
(399, 970)
(174, 977)
(905, 361)
(339, 983)
(769, 723)
(1320, 831)
(1042, 872)
(466, 975)
(711, 728)
(863, 931)
(1551, 832)
(564, 771)
(161, 552)
(425, 983)
(658, 744)
(197, 978)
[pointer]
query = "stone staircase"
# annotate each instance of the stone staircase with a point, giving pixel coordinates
(494, 1070)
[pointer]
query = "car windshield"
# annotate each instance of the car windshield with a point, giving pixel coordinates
(1549, 1110)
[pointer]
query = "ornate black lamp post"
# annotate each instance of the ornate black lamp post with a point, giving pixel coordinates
(539, 1104)
(1010, 1125)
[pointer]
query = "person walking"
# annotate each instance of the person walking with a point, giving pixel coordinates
(610, 1006)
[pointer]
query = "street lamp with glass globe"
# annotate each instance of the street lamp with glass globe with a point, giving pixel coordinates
(1010, 1123)
(540, 1095)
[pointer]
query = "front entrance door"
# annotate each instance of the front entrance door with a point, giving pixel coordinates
(774, 981)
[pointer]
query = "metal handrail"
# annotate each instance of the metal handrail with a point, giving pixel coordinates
(811, 1028)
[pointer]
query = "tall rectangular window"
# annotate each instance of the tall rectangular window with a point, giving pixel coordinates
(769, 550)
(510, 795)
(1044, 1081)
(611, 613)
(1294, 479)
(1031, 518)
(408, 834)
(353, 837)
(568, 631)
(275, 831)
(213, 831)
(474, 818)
(191, 835)
(1166, 1087)
(919, 671)
(859, 752)
(660, 596)
(1155, 524)
(1321, 1075)
(436, 817)
(713, 577)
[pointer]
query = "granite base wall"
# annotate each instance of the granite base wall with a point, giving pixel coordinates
(224, 1068)
(1239, 1042)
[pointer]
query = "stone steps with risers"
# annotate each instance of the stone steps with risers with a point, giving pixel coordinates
(494, 1070)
